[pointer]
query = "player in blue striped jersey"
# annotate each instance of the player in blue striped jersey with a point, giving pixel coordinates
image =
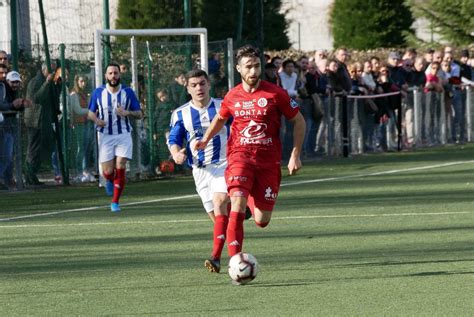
(111, 107)
(189, 122)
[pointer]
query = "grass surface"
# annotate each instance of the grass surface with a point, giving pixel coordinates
(389, 234)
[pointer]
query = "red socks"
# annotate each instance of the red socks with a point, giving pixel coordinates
(220, 228)
(119, 184)
(235, 232)
(109, 177)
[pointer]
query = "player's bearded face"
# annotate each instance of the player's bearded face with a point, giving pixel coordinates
(250, 70)
(112, 76)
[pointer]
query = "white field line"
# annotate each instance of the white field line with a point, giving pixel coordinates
(96, 207)
(283, 185)
(118, 223)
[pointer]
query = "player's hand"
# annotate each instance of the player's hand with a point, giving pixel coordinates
(294, 165)
(200, 145)
(100, 123)
(122, 112)
(180, 156)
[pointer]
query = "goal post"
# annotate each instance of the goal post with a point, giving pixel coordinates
(201, 32)
(155, 73)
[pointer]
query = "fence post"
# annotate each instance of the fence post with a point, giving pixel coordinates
(150, 104)
(137, 153)
(344, 126)
(442, 121)
(230, 62)
(417, 116)
(65, 124)
(330, 115)
(469, 113)
(19, 154)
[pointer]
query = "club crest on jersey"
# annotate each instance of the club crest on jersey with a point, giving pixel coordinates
(270, 195)
(294, 104)
(262, 102)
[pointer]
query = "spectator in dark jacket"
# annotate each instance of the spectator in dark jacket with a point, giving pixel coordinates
(342, 56)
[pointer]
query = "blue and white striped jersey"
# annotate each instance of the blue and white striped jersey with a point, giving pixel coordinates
(105, 103)
(190, 122)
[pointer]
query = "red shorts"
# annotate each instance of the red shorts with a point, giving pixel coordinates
(262, 182)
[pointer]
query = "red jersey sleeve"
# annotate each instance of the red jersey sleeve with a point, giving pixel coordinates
(289, 107)
(225, 111)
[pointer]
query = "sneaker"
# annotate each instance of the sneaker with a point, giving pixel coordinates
(91, 178)
(114, 207)
(58, 180)
(109, 188)
(214, 266)
(248, 213)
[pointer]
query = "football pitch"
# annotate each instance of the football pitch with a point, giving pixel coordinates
(377, 235)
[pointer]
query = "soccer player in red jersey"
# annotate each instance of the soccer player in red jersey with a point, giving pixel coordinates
(254, 147)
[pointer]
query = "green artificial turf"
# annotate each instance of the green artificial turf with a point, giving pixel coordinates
(378, 235)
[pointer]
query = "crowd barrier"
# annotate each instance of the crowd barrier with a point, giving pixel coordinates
(349, 126)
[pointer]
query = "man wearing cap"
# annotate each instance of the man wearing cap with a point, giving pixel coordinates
(9, 85)
(397, 73)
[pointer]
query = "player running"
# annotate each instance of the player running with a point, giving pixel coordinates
(189, 122)
(111, 107)
(254, 147)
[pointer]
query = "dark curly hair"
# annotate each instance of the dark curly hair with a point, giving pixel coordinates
(246, 51)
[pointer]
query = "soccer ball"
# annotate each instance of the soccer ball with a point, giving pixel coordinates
(243, 268)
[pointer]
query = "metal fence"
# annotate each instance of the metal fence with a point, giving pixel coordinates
(77, 161)
(421, 119)
(350, 126)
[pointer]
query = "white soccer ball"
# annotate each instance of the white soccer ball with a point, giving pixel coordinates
(243, 268)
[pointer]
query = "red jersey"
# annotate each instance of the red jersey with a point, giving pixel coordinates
(257, 118)
(431, 79)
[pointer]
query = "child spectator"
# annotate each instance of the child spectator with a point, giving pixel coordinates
(433, 83)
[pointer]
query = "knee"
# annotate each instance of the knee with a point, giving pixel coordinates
(262, 224)
(220, 203)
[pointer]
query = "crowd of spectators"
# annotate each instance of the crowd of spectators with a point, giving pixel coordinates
(310, 80)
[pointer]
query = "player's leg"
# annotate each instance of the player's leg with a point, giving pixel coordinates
(235, 228)
(119, 179)
(262, 217)
(215, 183)
(265, 193)
(107, 161)
(240, 178)
(123, 153)
(220, 202)
(108, 171)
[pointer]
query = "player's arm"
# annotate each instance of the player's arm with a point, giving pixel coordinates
(136, 114)
(134, 110)
(175, 138)
(216, 125)
(298, 137)
(93, 117)
(178, 154)
(93, 107)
